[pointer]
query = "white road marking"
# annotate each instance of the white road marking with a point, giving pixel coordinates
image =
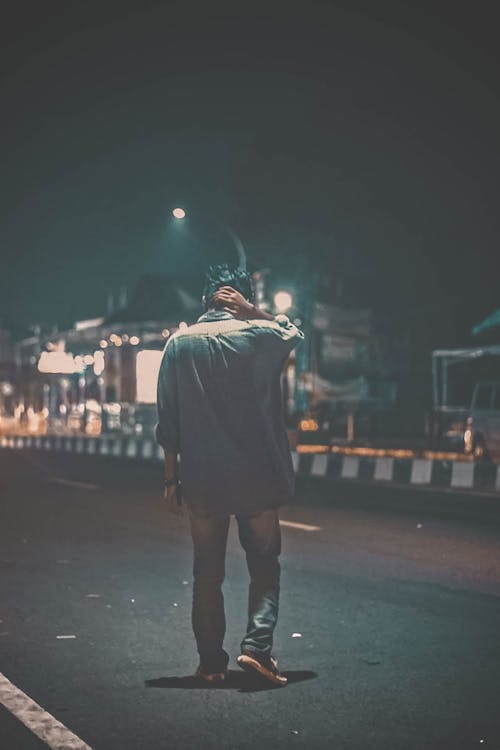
(60, 480)
(303, 526)
(39, 721)
(73, 483)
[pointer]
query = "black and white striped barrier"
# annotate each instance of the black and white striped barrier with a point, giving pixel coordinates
(414, 472)
(105, 445)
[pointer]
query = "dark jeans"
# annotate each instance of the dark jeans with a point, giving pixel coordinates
(260, 537)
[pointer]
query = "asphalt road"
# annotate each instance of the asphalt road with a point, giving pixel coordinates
(388, 632)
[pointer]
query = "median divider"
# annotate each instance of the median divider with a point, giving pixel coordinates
(438, 470)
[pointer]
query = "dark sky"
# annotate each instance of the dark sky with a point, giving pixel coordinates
(361, 135)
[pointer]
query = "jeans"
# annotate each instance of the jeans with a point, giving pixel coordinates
(260, 537)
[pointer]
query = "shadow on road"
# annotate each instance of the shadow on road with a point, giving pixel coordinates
(240, 681)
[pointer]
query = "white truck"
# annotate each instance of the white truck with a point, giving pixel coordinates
(482, 428)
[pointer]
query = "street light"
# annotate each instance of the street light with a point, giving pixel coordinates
(180, 214)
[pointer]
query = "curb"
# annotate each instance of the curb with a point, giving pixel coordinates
(412, 472)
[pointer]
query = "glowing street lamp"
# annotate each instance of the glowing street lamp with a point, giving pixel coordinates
(283, 301)
(180, 214)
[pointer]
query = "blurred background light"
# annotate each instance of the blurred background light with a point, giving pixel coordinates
(282, 301)
(147, 367)
(58, 362)
(98, 362)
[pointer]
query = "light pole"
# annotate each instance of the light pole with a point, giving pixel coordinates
(180, 214)
(284, 302)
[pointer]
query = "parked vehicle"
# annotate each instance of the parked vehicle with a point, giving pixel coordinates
(482, 430)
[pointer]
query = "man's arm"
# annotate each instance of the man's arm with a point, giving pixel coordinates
(171, 468)
(235, 303)
(167, 428)
(172, 492)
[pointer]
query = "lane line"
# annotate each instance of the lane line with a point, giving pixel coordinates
(41, 468)
(39, 721)
(302, 526)
(47, 477)
(72, 483)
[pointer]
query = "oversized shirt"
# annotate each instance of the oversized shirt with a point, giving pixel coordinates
(220, 408)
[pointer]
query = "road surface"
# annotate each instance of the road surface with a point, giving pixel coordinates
(389, 624)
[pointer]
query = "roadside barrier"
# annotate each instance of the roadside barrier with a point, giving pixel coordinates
(440, 473)
(119, 446)
(444, 473)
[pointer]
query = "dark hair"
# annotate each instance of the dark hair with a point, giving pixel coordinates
(222, 275)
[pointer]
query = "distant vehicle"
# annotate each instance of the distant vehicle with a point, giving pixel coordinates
(482, 429)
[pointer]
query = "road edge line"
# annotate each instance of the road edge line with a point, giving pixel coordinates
(45, 726)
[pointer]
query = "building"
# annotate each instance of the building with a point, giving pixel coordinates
(7, 378)
(101, 374)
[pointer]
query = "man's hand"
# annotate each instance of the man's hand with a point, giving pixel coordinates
(172, 500)
(231, 300)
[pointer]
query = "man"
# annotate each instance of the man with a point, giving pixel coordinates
(219, 408)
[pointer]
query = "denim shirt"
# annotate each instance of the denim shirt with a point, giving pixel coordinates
(220, 408)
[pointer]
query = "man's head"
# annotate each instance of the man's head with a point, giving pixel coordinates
(222, 275)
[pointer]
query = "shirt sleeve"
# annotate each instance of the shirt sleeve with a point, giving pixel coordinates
(167, 428)
(287, 333)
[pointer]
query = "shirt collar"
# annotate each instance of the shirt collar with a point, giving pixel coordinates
(215, 315)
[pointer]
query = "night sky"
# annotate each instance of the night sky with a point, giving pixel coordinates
(361, 136)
